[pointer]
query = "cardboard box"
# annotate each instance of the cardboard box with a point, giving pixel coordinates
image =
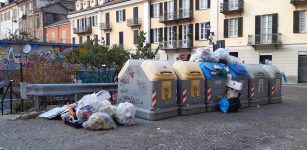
(234, 84)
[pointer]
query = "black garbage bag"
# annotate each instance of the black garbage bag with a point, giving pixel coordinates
(234, 104)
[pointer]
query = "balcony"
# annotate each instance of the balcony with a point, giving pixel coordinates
(82, 30)
(176, 16)
(134, 22)
(264, 39)
(232, 6)
(176, 44)
(105, 26)
(294, 2)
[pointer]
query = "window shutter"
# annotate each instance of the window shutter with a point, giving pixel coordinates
(197, 5)
(190, 33)
(180, 4)
(160, 34)
(117, 16)
(225, 5)
(275, 23)
(192, 4)
(161, 8)
(124, 15)
(175, 32)
(175, 5)
(257, 29)
(240, 26)
(197, 31)
(275, 27)
(225, 28)
(151, 35)
(165, 33)
(151, 11)
(165, 6)
(209, 3)
(180, 32)
(296, 21)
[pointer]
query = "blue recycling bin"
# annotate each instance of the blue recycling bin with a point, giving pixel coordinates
(240, 74)
(215, 83)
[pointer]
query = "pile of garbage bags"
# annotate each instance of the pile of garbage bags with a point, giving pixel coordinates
(95, 112)
(221, 55)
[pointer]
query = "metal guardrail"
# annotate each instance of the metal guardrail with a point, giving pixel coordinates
(264, 39)
(175, 44)
(79, 30)
(134, 22)
(176, 15)
(105, 26)
(39, 90)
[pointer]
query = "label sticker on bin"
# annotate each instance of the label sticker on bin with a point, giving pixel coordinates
(261, 84)
(166, 90)
(195, 88)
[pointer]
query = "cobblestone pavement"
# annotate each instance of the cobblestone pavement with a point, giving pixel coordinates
(279, 126)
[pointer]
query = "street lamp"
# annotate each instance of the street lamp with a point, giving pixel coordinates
(26, 49)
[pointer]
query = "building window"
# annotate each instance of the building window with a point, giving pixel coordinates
(266, 29)
(107, 39)
(233, 4)
(156, 10)
(233, 27)
(95, 20)
(121, 39)
(302, 21)
(88, 39)
(170, 10)
(135, 35)
(156, 35)
(52, 37)
(120, 15)
(203, 4)
(73, 40)
(80, 40)
(203, 31)
(64, 36)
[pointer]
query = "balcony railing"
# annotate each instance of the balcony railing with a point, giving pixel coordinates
(176, 44)
(264, 39)
(80, 30)
(298, 1)
(232, 6)
(175, 16)
(105, 26)
(134, 22)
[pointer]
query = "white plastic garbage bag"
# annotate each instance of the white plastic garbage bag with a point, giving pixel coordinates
(108, 109)
(125, 114)
(222, 53)
(232, 60)
(100, 121)
(90, 104)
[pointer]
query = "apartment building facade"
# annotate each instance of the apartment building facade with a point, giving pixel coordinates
(58, 32)
(8, 19)
(110, 22)
(260, 31)
(254, 31)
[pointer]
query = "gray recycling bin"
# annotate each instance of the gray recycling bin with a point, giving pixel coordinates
(240, 74)
(275, 83)
(190, 87)
(151, 87)
(215, 84)
(258, 85)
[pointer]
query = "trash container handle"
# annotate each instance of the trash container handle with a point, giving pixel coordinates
(195, 72)
(166, 72)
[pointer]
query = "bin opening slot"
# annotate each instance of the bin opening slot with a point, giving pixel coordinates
(194, 72)
(260, 73)
(166, 73)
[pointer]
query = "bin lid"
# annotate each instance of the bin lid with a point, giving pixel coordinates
(129, 63)
(272, 70)
(237, 69)
(158, 70)
(211, 69)
(256, 70)
(187, 70)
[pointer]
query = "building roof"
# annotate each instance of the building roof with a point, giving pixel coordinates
(63, 21)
